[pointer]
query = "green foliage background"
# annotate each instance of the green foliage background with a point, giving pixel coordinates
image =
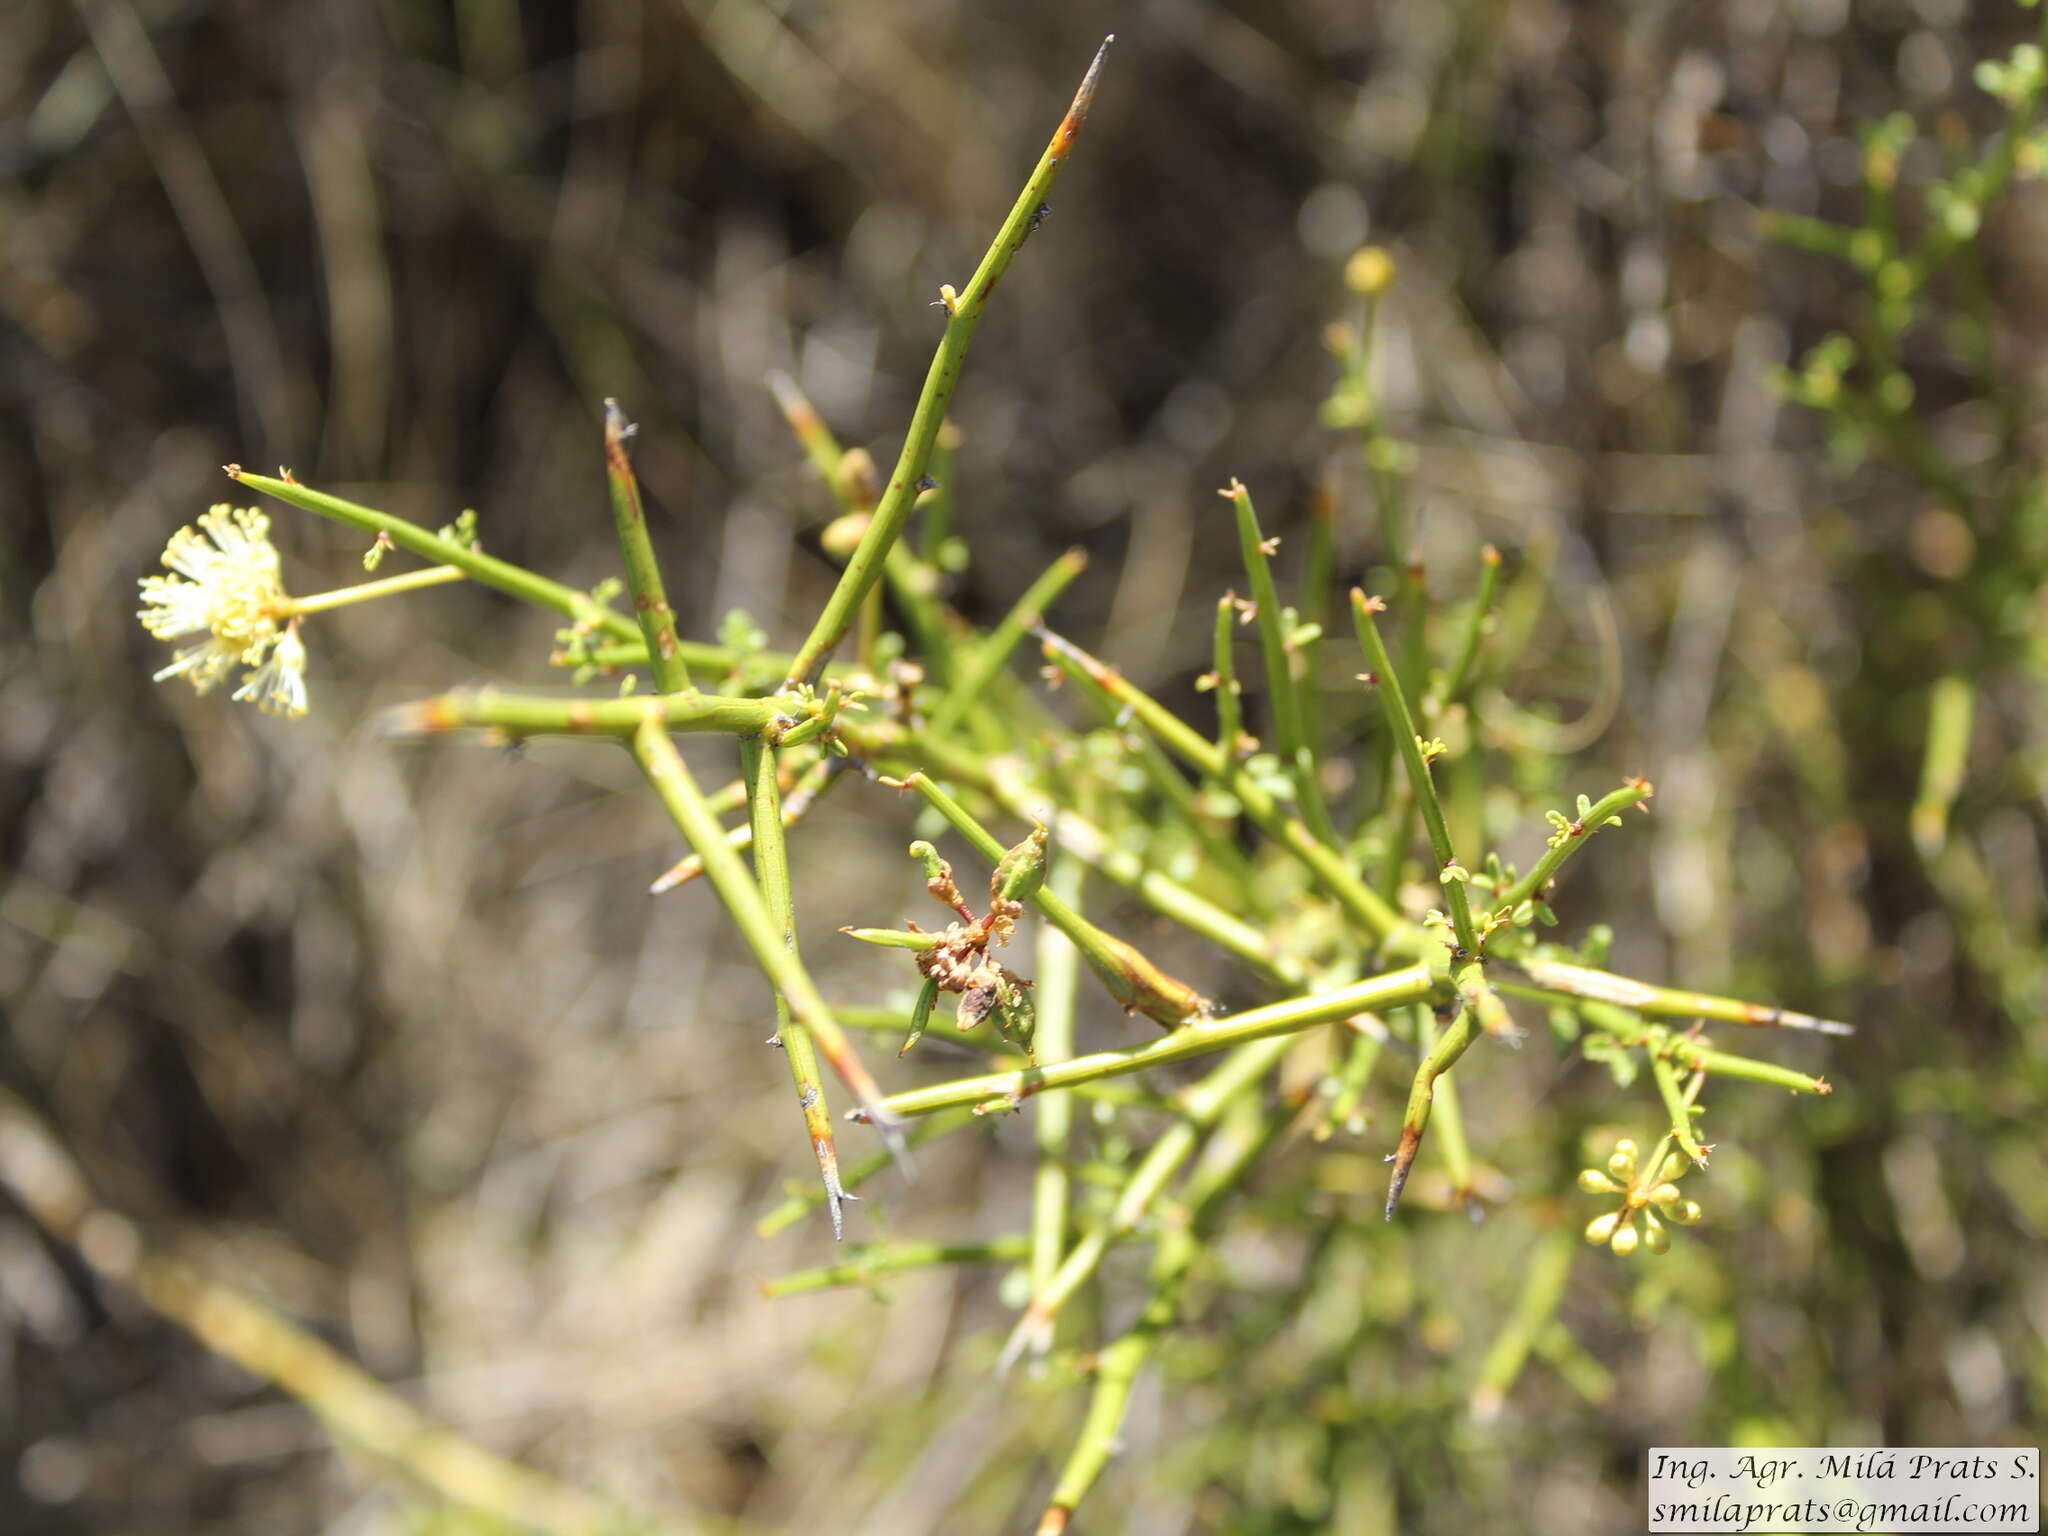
(388, 1035)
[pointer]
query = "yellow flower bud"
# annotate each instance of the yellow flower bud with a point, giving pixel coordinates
(1594, 1182)
(1600, 1228)
(1656, 1236)
(1624, 1241)
(1369, 271)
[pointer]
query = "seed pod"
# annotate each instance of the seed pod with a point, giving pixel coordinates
(920, 1014)
(1016, 1014)
(1021, 871)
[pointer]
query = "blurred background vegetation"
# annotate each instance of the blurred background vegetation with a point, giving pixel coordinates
(388, 1035)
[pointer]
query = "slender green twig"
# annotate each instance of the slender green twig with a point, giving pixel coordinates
(1199, 1106)
(521, 714)
(1631, 1028)
(643, 575)
(1117, 1367)
(1678, 1104)
(1571, 835)
(1058, 980)
(771, 869)
(1950, 706)
(1368, 907)
(1411, 984)
(677, 787)
(1443, 1055)
(805, 793)
(870, 1261)
(806, 1200)
(990, 655)
(850, 477)
(1231, 742)
(964, 313)
(1663, 1002)
(1450, 686)
(481, 568)
(1401, 723)
(1446, 1116)
(1276, 648)
(368, 591)
(1546, 1273)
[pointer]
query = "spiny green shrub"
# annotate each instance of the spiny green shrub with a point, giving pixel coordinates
(1283, 833)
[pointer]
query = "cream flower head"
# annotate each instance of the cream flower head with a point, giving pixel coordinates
(229, 590)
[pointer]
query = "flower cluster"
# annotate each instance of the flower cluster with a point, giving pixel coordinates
(229, 591)
(1650, 1192)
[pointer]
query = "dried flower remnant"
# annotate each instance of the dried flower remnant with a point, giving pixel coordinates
(957, 960)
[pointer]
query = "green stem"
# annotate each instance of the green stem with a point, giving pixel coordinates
(1573, 838)
(1277, 651)
(1451, 686)
(965, 313)
(1548, 1269)
(1199, 1107)
(1580, 981)
(854, 1175)
(677, 787)
(1448, 1118)
(1678, 1105)
(1230, 737)
(1410, 984)
(1443, 1055)
(1003, 780)
(1360, 901)
(643, 575)
(516, 581)
(1117, 1367)
(912, 581)
(815, 780)
(870, 1262)
(1399, 721)
(771, 869)
(1058, 977)
(990, 655)
(1950, 706)
(363, 592)
(518, 714)
(1318, 578)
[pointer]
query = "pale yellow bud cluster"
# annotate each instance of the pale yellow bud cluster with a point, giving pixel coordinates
(1649, 1194)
